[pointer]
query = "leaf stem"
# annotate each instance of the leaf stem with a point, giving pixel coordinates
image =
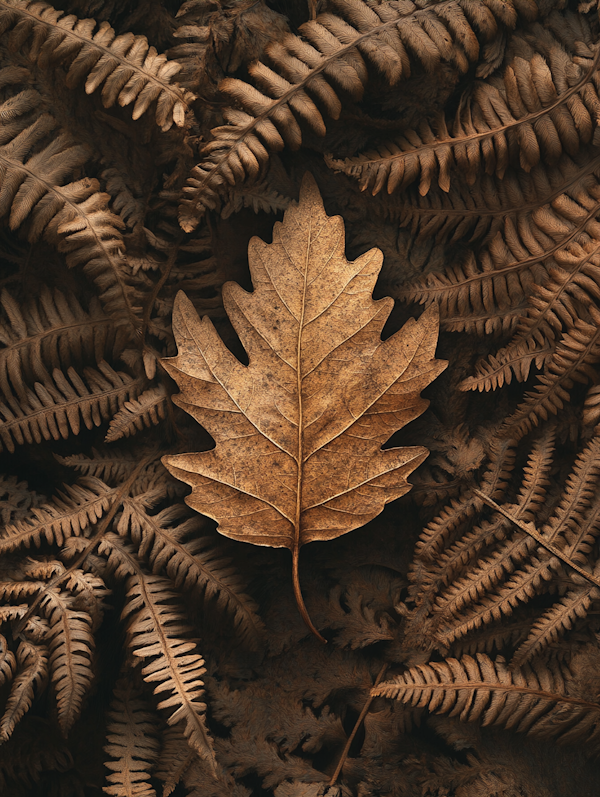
(298, 595)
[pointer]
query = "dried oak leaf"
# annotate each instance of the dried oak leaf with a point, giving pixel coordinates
(299, 430)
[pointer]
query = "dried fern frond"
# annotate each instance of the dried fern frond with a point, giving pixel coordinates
(26, 183)
(165, 541)
(71, 646)
(438, 534)
(260, 198)
(115, 465)
(146, 411)
(38, 749)
(591, 407)
(486, 295)
(546, 103)
(557, 620)
(132, 743)
(531, 580)
(35, 163)
(8, 663)
(448, 572)
(32, 673)
(471, 213)
(575, 521)
(129, 207)
(55, 408)
(68, 514)
(157, 630)
(89, 235)
(483, 577)
(482, 598)
(574, 360)
(335, 57)
(127, 68)
(533, 700)
(516, 360)
(493, 639)
(176, 758)
(52, 331)
(70, 640)
(543, 282)
(573, 286)
(358, 624)
(15, 499)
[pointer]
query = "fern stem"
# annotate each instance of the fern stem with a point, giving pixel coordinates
(158, 286)
(119, 494)
(299, 598)
(534, 533)
(359, 722)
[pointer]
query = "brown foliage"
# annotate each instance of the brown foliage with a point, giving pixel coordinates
(152, 147)
(321, 394)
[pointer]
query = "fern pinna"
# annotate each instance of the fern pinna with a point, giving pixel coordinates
(142, 145)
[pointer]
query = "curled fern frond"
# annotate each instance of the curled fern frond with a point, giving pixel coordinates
(533, 700)
(127, 68)
(55, 408)
(336, 55)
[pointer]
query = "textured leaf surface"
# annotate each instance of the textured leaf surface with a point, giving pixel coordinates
(299, 430)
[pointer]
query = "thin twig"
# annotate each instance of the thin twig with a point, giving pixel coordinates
(529, 528)
(158, 285)
(357, 725)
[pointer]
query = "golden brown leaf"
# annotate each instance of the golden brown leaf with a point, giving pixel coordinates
(299, 430)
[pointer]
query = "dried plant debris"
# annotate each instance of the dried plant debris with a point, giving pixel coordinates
(321, 394)
(193, 197)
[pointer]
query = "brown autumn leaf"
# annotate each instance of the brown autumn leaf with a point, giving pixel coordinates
(299, 430)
